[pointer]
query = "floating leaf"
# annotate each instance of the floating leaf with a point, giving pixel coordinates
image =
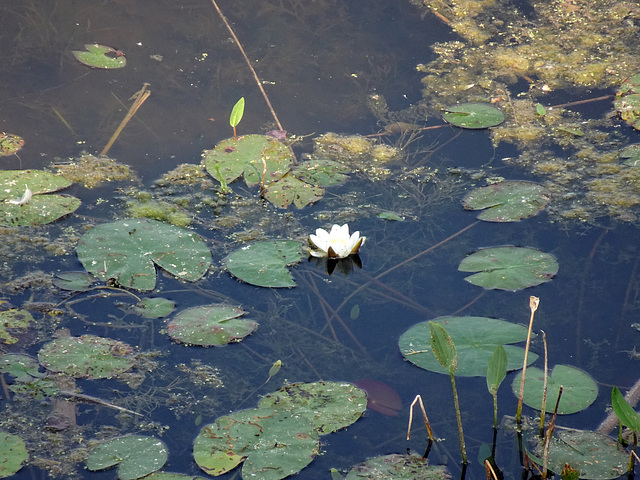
(13, 322)
(625, 412)
(18, 208)
(156, 307)
(631, 155)
(475, 339)
(573, 131)
(594, 455)
(322, 172)
(473, 115)
(210, 325)
(290, 190)
(507, 201)
(627, 101)
(100, 56)
(264, 263)
(22, 368)
(579, 390)
(272, 443)
(171, 476)
(13, 452)
(443, 348)
(135, 455)
(331, 406)
(540, 110)
(10, 143)
(398, 467)
(126, 250)
(381, 397)
(391, 216)
(87, 356)
(236, 113)
(509, 268)
(73, 281)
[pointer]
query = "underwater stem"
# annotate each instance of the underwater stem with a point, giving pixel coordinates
(463, 448)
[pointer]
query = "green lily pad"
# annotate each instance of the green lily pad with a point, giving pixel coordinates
(135, 455)
(171, 476)
(631, 155)
(595, 456)
(627, 101)
(126, 251)
(264, 263)
(272, 443)
(234, 156)
(331, 406)
(87, 356)
(290, 190)
(13, 452)
(13, 322)
(473, 115)
(391, 216)
(321, 172)
(579, 390)
(100, 56)
(156, 307)
(22, 201)
(10, 143)
(398, 467)
(507, 201)
(73, 281)
(27, 379)
(210, 325)
(509, 268)
(475, 339)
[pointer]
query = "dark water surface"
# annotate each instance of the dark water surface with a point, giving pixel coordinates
(319, 61)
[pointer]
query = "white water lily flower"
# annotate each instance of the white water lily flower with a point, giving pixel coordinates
(335, 244)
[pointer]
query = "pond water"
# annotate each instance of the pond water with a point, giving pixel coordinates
(327, 66)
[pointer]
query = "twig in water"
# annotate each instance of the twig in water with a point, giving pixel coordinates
(140, 96)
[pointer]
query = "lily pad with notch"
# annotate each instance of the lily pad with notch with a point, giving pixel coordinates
(10, 143)
(509, 267)
(264, 264)
(210, 325)
(100, 56)
(475, 339)
(473, 115)
(290, 190)
(73, 281)
(322, 172)
(154, 307)
(135, 455)
(22, 199)
(127, 251)
(398, 467)
(13, 452)
(507, 201)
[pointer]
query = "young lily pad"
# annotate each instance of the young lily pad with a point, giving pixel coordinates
(579, 390)
(13, 452)
(272, 443)
(13, 322)
(398, 467)
(22, 202)
(509, 268)
(627, 101)
(210, 325)
(631, 155)
(126, 251)
(331, 406)
(73, 281)
(475, 339)
(508, 201)
(156, 307)
(100, 56)
(473, 115)
(290, 190)
(135, 455)
(10, 143)
(87, 356)
(594, 455)
(264, 263)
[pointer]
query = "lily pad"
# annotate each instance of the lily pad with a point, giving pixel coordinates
(631, 155)
(595, 456)
(398, 467)
(73, 281)
(10, 143)
(290, 190)
(100, 56)
(508, 201)
(210, 325)
(13, 452)
(171, 476)
(322, 172)
(13, 322)
(509, 268)
(156, 307)
(22, 201)
(579, 390)
(473, 115)
(87, 356)
(627, 101)
(27, 379)
(126, 251)
(135, 455)
(272, 443)
(264, 263)
(475, 339)
(331, 406)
